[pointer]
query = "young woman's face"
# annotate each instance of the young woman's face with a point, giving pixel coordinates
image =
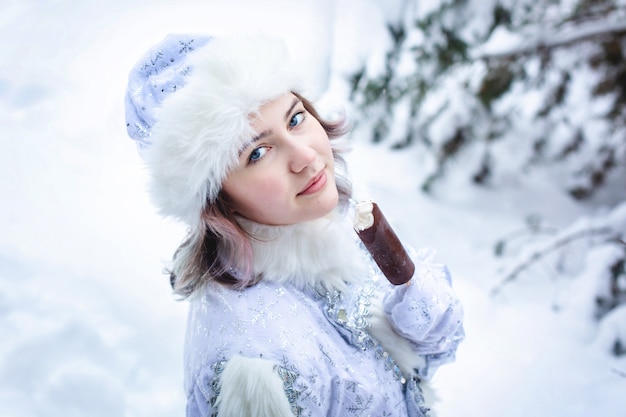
(286, 173)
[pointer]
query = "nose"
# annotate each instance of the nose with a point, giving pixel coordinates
(301, 155)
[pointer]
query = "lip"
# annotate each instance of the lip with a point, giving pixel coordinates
(315, 184)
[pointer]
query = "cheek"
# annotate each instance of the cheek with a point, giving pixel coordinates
(268, 182)
(263, 191)
(321, 143)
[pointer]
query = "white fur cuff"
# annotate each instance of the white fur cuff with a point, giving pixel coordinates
(250, 388)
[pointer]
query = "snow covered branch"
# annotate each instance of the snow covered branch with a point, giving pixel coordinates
(555, 244)
(563, 38)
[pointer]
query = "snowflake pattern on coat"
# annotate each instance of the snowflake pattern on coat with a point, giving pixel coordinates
(341, 371)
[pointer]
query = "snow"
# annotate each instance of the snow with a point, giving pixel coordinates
(87, 322)
(501, 41)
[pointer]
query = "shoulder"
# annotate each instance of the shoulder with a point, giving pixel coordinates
(253, 322)
(244, 350)
(253, 305)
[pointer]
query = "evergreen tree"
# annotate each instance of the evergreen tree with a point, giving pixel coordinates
(510, 86)
(542, 80)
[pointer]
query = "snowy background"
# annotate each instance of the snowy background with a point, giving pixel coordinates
(88, 326)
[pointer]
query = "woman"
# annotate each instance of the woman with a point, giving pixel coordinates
(288, 313)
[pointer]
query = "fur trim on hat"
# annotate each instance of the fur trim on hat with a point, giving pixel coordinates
(201, 128)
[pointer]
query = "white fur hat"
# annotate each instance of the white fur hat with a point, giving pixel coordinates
(188, 106)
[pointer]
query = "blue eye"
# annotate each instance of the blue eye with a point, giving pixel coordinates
(296, 119)
(257, 154)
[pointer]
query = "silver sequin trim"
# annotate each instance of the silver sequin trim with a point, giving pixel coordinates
(356, 325)
(289, 378)
(218, 368)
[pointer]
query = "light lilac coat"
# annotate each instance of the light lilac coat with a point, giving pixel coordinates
(323, 334)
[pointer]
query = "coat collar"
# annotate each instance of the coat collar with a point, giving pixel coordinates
(322, 254)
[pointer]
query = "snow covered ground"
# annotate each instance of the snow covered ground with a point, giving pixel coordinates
(87, 322)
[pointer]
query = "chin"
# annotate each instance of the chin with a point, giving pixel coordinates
(329, 204)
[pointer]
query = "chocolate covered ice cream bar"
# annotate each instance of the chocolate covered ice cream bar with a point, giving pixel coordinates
(383, 243)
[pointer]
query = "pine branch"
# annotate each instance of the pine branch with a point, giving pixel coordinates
(592, 32)
(539, 254)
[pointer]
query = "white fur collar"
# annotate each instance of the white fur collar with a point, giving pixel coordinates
(321, 254)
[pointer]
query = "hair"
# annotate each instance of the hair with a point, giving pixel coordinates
(219, 250)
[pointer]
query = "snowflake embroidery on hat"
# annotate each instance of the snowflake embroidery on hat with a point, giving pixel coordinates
(186, 46)
(160, 72)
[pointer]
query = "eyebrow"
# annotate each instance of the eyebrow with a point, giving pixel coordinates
(265, 133)
(293, 104)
